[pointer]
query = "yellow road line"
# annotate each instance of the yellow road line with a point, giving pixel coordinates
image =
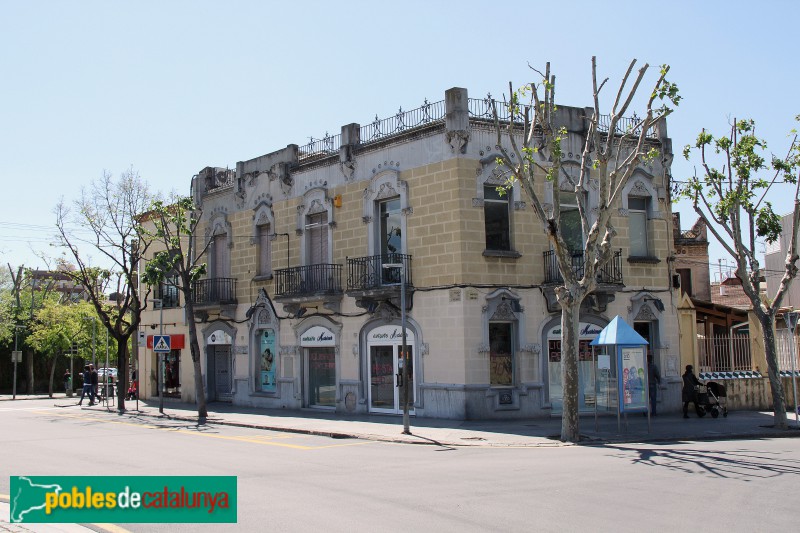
(258, 439)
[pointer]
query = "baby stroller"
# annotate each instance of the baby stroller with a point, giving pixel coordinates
(711, 398)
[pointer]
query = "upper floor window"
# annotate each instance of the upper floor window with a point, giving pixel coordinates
(221, 264)
(167, 292)
(264, 249)
(570, 221)
(385, 212)
(497, 214)
(637, 218)
(391, 233)
(316, 232)
(263, 222)
(219, 234)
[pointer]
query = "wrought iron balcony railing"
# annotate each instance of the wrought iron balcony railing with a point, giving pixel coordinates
(308, 280)
(368, 273)
(214, 291)
(610, 273)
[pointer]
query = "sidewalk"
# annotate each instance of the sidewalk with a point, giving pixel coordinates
(533, 432)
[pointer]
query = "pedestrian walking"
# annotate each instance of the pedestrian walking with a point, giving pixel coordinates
(653, 381)
(87, 386)
(95, 381)
(67, 381)
(689, 393)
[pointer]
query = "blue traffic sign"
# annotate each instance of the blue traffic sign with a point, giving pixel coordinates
(161, 343)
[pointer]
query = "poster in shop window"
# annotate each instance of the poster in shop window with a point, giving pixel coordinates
(632, 387)
(268, 361)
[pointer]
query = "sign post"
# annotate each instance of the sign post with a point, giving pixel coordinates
(161, 346)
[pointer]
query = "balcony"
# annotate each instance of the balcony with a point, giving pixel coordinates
(310, 281)
(214, 292)
(610, 274)
(369, 282)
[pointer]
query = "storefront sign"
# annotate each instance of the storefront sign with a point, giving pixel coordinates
(268, 360)
(317, 336)
(390, 335)
(177, 342)
(632, 389)
(585, 331)
(219, 337)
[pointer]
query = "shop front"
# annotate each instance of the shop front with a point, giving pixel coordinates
(170, 367)
(593, 376)
(319, 367)
(385, 367)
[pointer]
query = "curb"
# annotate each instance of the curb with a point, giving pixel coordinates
(363, 436)
(553, 443)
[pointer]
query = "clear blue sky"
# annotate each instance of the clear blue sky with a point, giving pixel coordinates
(169, 87)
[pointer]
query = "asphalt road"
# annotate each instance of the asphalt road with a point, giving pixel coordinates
(292, 482)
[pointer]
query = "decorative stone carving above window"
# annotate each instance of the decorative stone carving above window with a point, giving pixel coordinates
(503, 312)
(458, 139)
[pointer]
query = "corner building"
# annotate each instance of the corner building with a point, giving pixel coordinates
(311, 247)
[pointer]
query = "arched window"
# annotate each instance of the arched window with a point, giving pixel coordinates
(263, 235)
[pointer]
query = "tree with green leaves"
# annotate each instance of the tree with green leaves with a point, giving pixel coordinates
(28, 291)
(731, 196)
(178, 265)
(532, 145)
(105, 221)
(59, 329)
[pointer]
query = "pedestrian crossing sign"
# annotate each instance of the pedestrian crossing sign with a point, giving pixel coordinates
(161, 343)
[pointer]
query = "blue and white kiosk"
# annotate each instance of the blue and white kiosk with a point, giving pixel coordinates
(630, 354)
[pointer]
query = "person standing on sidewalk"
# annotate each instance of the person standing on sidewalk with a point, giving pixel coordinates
(67, 381)
(653, 381)
(689, 393)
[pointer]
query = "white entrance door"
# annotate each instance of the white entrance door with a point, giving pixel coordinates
(385, 378)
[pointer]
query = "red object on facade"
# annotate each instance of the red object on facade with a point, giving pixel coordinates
(176, 342)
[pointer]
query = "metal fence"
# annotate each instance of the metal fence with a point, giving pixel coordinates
(319, 148)
(724, 354)
(625, 126)
(307, 280)
(783, 347)
(610, 273)
(402, 121)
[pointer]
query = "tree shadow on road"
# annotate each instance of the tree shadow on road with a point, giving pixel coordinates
(730, 464)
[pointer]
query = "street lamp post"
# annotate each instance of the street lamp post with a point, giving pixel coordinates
(404, 351)
(159, 383)
(94, 329)
(791, 323)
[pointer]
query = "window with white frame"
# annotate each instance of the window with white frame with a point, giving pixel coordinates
(497, 215)
(637, 219)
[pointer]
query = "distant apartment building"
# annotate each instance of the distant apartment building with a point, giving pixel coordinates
(775, 265)
(314, 249)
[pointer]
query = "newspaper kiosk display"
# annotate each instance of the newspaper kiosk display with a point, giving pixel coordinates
(630, 351)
